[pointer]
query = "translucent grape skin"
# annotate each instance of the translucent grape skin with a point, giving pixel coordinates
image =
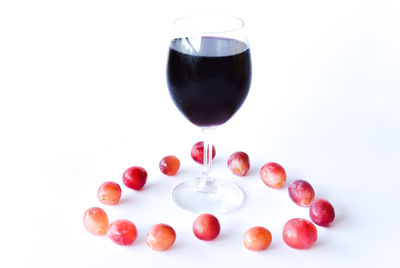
(206, 227)
(109, 193)
(198, 151)
(299, 233)
(160, 237)
(239, 163)
(95, 221)
(322, 212)
(301, 193)
(122, 232)
(169, 165)
(135, 178)
(273, 175)
(257, 238)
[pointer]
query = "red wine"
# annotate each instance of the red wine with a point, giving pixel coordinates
(208, 82)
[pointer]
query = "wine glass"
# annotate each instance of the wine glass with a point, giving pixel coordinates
(208, 76)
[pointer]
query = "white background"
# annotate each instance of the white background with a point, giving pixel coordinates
(83, 96)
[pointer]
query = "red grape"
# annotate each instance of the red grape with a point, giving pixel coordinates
(95, 221)
(206, 227)
(160, 237)
(197, 152)
(273, 175)
(122, 232)
(257, 238)
(109, 193)
(299, 233)
(322, 212)
(169, 165)
(301, 192)
(135, 177)
(239, 163)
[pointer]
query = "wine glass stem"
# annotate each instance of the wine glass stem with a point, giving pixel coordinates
(207, 156)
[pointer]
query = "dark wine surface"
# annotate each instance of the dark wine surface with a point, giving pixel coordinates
(208, 79)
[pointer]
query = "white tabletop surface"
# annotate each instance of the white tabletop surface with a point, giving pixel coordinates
(83, 96)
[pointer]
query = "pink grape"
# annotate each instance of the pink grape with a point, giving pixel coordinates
(122, 232)
(169, 165)
(197, 152)
(322, 212)
(257, 238)
(109, 193)
(299, 233)
(95, 221)
(206, 227)
(160, 237)
(239, 163)
(273, 175)
(301, 192)
(135, 178)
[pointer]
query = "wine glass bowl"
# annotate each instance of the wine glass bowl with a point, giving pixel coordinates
(208, 77)
(208, 73)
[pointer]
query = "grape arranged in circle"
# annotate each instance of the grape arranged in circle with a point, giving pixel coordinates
(160, 237)
(95, 221)
(301, 192)
(135, 178)
(109, 193)
(206, 227)
(257, 238)
(169, 165)
(299, 233)
(197, 152)
(239, 163)
(322, 212)
(273, 175)
(122, 232)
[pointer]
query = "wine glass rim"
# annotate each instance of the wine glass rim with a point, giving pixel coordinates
(240, 21)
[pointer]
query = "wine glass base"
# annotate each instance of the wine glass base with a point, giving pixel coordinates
(219, 196)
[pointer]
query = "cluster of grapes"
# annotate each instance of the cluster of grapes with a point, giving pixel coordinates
(297, 233)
